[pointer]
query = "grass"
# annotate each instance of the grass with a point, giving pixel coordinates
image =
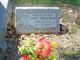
(34, 2)
(71, 2)
(47, 2)
(69, 53)
(73, 29)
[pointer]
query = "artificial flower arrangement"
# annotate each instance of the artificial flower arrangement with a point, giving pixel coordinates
(36, 48)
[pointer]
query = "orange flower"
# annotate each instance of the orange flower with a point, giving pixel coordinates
(43, 47)
(23, 57)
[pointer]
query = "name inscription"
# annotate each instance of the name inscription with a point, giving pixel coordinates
(37, 19)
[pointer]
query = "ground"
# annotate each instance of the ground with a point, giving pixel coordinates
(67, 39)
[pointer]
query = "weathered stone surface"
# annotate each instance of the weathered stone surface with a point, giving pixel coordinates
(37, 19)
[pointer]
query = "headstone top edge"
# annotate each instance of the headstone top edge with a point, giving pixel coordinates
(37, 8)
(4, 3)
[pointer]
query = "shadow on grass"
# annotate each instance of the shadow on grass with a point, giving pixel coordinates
(70, 55)
(63, 29)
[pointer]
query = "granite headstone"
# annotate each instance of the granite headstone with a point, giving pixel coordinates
(3, 25)
(37, 19)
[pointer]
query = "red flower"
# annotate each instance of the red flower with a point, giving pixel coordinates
(43, 47)
(36, 59)
(23, 57)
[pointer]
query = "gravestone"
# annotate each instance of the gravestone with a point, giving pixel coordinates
(4, 6)
(37, 19)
